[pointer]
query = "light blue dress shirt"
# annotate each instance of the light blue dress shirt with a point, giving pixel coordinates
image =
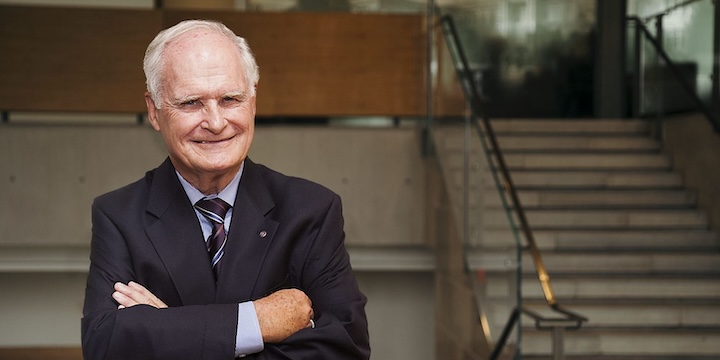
(248, 339)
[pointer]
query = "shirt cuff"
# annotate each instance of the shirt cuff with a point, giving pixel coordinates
(248, 339)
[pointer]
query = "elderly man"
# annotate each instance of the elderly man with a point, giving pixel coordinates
(211, 256)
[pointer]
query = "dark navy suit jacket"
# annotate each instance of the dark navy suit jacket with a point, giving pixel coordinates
(285, 232)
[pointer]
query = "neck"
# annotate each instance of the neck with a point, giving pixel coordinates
(209, 184)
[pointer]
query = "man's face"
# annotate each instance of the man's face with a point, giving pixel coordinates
(207, 114)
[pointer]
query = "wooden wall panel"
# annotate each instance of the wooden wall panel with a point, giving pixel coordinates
(311, 64)
(73, 59)
(332, 63)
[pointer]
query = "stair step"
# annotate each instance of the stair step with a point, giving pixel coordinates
(588, 161)
(555, 143)
(607, 262)
(591, 143)
(527, 180)
(548, 199)
(576, 161)
(596, 179)
(623, 342)
(698, 286)
(602, 219)
(669, 239)
(640, 263)
(594, 126)
(629, 314)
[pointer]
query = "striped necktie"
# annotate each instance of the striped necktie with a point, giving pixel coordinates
(214, 210)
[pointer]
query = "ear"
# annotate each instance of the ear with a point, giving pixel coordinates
(152, 111)
(254, 100)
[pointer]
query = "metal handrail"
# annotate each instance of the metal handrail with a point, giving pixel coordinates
(465, 76)
(677, 73)
(669, 10)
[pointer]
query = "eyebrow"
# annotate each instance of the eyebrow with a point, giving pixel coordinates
(232, 94)
(236, 94)
(183, 99)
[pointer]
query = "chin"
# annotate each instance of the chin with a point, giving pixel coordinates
(221, 166)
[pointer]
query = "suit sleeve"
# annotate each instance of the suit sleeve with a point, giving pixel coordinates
(144, 332)
(327, 278)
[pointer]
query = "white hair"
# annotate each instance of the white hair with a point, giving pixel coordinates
(153, 62)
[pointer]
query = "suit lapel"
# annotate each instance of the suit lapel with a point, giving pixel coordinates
(177, 238)
(249, 239)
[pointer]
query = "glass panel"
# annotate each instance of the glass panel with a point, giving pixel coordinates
(686, 35)
(494, 246)
(534, 58)
(482, 213)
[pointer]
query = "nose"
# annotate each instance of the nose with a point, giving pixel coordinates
(214, 120)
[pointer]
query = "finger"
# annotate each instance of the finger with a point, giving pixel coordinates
(129, 293)
(145, 296)
(123, 300)
(135, 293)
(140, 290)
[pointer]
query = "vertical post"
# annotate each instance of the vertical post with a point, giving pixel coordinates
(639, 75)
(715, 100)
(662, 77)
(558, 345)
(609, 80)
(659, 35)
(466, 174)
(430, 28)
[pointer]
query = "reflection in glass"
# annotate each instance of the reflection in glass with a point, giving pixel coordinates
(533, 58)
(686, 31)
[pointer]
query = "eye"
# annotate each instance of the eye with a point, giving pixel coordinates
(232, 101)
(189, 103)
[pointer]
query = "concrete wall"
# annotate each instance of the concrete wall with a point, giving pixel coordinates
(54, 172)
(44, 309)
(458, 331)
(695, 151)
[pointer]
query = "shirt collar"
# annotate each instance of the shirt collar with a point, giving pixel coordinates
(227, 194)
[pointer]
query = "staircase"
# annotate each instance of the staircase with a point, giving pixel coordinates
(621, 237)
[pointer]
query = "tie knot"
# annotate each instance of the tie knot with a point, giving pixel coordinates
(214, 209)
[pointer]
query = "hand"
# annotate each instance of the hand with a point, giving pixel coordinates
(134, 294)
(283, 313)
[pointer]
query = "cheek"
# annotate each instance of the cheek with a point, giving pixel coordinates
(179, 127)
(244, 121)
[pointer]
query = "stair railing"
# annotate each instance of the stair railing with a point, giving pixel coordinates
(656, 41)
(562, 318)
(670, 9)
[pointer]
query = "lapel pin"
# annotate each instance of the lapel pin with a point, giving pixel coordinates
(263, 234)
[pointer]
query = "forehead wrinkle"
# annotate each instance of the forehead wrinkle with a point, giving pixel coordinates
(201, 47)
(203, 71)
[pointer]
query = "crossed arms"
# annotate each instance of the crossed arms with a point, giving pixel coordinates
(156, 321)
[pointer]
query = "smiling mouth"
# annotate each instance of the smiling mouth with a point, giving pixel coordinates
(212, 141)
